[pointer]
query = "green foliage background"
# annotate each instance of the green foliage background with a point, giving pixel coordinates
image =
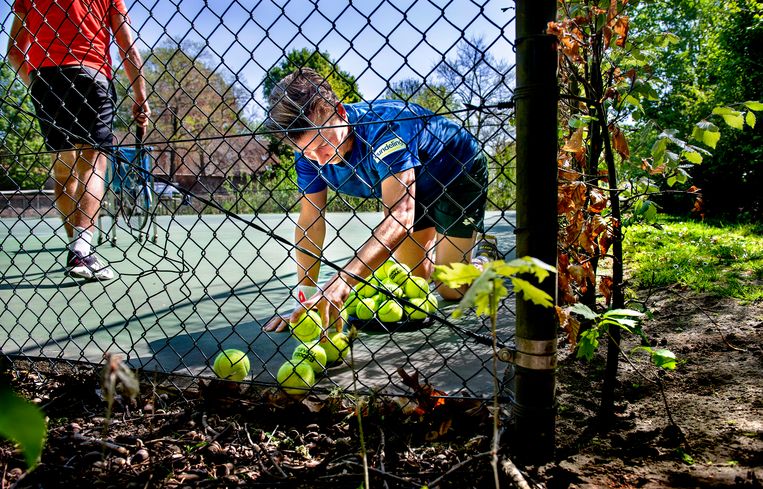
(19, 135)
(716, 60)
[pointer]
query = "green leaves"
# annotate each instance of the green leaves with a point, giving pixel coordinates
(664, 359)
(24, 424)
(732, 117)
(706, 132)
(626, 319)
(489, 283)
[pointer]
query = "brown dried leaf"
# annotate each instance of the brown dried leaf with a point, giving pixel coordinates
(619, 142)
(598, 225)
(577, 274)
(605, 287)
(586, 241)
(606, 32)
(605, 240)
(575, 142)
(598, 202)
(569, 324)
(621, 28)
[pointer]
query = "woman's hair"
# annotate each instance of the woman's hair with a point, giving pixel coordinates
(300, 101)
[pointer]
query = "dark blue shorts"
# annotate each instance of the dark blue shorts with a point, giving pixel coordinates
(459, 210)
(74, 105)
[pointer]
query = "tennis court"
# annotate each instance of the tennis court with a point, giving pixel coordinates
(210, 283)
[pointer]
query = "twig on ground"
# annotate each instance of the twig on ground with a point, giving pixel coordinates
(102, 443)
(516, 476)
(458, 466)
(381, 453)
(207, 427)
(381, 473)
(273, 461)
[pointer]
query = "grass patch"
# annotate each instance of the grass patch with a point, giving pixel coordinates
(719, 258)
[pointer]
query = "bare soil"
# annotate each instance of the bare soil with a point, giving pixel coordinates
(215, 435)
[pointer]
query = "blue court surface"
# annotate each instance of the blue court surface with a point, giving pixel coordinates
(207, 284)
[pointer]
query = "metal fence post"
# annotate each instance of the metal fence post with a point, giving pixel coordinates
(536, 108)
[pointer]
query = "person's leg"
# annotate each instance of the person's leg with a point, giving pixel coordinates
(91, 173)
(417, 252)
(65, 189)
(452, 250)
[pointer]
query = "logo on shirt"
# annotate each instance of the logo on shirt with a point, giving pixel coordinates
(388, 148)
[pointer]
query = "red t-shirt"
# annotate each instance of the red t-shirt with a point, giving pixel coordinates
(69, 32)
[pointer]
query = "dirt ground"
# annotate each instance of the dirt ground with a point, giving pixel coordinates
(215, 437)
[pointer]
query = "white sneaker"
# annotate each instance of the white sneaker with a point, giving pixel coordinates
(88, 267)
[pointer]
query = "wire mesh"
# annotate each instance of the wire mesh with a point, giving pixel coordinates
(201, 239)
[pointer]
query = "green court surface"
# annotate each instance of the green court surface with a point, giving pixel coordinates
(208, 284)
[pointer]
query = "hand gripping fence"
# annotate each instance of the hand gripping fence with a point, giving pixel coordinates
(205, 282)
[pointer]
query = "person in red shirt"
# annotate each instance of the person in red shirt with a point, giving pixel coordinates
(60, 49)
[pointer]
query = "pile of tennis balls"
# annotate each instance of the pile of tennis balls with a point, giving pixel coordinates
(310, 358)
(366, 302)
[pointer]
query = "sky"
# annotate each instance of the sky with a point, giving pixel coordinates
(374, 40)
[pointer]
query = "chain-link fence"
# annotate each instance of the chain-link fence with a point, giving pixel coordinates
(205, 227)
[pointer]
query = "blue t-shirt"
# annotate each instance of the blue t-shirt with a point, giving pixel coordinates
(392, 136)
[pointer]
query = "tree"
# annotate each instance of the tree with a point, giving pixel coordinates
(432, 96)
(700, 72)
(344, 84)
(20, 136)
(474, 77)
(197, 107)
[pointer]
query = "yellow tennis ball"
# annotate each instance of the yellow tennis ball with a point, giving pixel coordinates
(398, 273)
(368, 289)
(416, 314)
(296, 378)
(366, 308)
(432, 302)
(416, 287)
(231, 365)
(313, 354)
(393, 287)
(390, 312)
(308, 326)
(350, 304)
(337, 347)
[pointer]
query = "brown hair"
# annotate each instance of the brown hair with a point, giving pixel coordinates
(297, 99)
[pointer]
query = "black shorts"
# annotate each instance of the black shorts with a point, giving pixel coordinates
(460, 210)
(74, 105)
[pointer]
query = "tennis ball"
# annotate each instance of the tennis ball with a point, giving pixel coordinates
(398, 273)
(308, 326)
(369, 289)
(433, 303)
(366, 308)
(313, 354)
(390, 312)
(392, 287)
(416, 287)
(296, 378)
(415, 314)
(231, 365)
(351, 303)
(337, 347)
(380, 273)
